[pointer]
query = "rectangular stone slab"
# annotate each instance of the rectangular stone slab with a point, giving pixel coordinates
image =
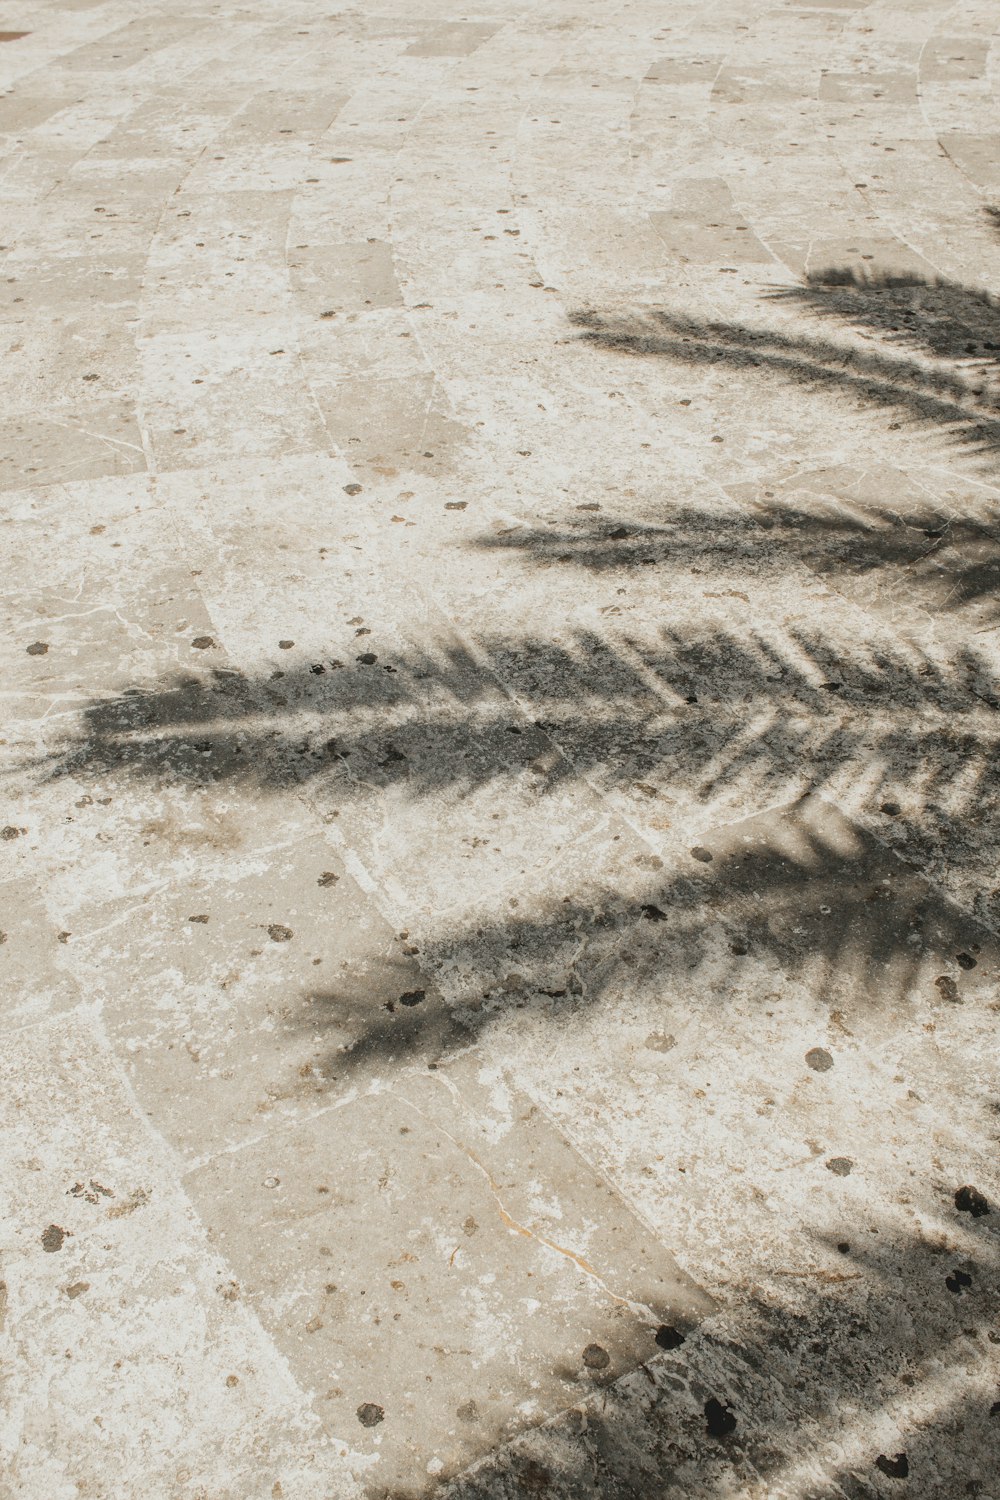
(441, 1269)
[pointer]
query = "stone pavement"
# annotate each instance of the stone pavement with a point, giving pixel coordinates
(499, 810)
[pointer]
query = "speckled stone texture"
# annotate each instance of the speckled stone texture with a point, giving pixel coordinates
(499, 810)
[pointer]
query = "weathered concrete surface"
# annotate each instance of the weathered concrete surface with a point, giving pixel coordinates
(500, 814)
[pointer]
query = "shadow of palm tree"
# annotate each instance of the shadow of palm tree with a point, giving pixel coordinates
(941, 318)
(796, 897)
(950, 564)
(945, 320)
(778, 1399)
(699, 712)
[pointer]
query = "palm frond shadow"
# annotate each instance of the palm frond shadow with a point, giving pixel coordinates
(946, 563)
(954, 325)
(942, 318)
(877, 1327)
(695, 713)
(795, 902)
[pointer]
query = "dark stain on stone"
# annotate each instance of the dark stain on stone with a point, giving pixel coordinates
(894, 1468)
(13, 36)
(595, 1357)
(819, 1060)
(77, 1289)
(739, 948)
(413, 997)
(958, 1281)
(455, 504)
(352, 489)
(660, 1041)
(52, 1238)
(840, 1166)
(969, 1200)
(653, 913)
(535, 1478)
(328, 878)
(10, 832)
(368, 658)
(965, 960)
(719, 1420)
(948, 988)
(701, 854)
(891, 809)
(37, 648)
(201, 917)
(202, 643)
(285, 645)
(467, 1412)
(843, 1247)
(668, 1337)
(279, 934)
(370, 1415)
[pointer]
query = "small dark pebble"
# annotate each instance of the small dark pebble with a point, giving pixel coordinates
(202, 643)
(669, 1338)
(368, 658)
(285, 645)
(37, 648)
(596, 1358)
(843, 1247)
(719, 1418)
(895, 1468)
(702, 855)
(370, 1415)
(279, 934)
(353, 489)
(328, 878)
(969, 1200)
(455, 504)
(958, 1281)
(10, 832)
(653, 913)
(317, 668)
(891, 809)
(201, 917)
(948, 988)
(840, 1166)
(819, 1060)
(413, 997)
(52, 1238)
(965, 960)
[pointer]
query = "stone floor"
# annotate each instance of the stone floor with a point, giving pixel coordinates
(500, 807)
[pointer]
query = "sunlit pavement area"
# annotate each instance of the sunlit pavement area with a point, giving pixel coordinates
(500, 808)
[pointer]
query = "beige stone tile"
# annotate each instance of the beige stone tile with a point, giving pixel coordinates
(454, 1221)
(120, 1316)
